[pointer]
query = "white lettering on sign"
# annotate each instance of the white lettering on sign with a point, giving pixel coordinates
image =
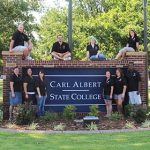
(55, 84)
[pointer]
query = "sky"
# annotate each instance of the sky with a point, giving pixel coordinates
(50, 4)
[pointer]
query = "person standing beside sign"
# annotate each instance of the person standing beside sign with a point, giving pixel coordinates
(15, 95)
(108, 93)
(132, 45)
(61, 50)
(133, 79)
(93, 51)
(41, 93)
(29, 87)
(120, 86)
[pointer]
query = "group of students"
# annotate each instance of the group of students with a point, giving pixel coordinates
(33, 91)
(117, 87)
(61, 51)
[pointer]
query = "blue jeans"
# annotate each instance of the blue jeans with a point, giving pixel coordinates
(100, 57)
(40, 103)
(14, 101)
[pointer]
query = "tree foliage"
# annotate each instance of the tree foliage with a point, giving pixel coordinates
(108, 20)
(13, 12)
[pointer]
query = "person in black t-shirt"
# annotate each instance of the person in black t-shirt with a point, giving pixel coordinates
(15, 95)
(108, 93)
(61, 50)
(93, 51)
(41, 93)
(29, 87)
(120, 86)
(133, 79)
(21, 43)
(132, 45)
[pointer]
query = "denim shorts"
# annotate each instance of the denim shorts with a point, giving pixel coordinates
(118, 97)
(14, 101)
(107, 98)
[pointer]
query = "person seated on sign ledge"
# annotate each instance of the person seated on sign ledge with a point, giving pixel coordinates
(132, 45)
(93, 51)
(21, 43)
(61, 50)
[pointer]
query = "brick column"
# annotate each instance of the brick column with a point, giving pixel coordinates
(10, 60)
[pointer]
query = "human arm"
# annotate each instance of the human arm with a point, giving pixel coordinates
(87, 55)
(12, 88)
(25, 89)
(111, 92)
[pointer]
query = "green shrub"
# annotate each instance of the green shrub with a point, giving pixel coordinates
(94, 111)
(129, 125)
(128, 109)
(136, 112)
(92, 126)
(146, 124)
(69, 112)
(59, 127)
(49, 116)
(33, 126)
(115, 116)
(140, 115)
(25, 114)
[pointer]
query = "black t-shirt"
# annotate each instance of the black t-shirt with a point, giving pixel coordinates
(119, 83)
(42, 86)
(132, 42)
(19, 38)
(107, 86)
(30, 84)
(17, 82)
(63, 48)
(92, 50)
(133, 78)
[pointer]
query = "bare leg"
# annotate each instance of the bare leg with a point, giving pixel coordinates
(66, 55)
(25, 52)
(119, 55)
(57, 55)
(108, 108)
(11, 108)
(119, 106)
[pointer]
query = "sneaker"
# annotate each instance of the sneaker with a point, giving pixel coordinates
(68, 58)
(29, 58)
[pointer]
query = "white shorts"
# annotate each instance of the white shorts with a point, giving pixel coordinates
(134, 98)
(19, 48)
(127, 49)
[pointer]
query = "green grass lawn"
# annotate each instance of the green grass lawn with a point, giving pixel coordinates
(115, 141)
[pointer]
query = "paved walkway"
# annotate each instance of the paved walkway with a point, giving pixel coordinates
(73, 132)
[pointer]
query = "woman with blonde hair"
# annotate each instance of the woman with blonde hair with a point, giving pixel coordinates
(93, 50)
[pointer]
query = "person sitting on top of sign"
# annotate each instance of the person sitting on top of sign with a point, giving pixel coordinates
(21, 43)
(132, 45)
(93, 50)
(61, 50)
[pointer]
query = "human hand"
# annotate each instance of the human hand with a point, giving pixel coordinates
(26, 96)
(13, 95)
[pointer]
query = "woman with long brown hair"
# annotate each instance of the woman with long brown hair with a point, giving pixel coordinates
(120, 86)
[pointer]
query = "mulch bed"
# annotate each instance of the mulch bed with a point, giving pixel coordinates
(104, 124)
